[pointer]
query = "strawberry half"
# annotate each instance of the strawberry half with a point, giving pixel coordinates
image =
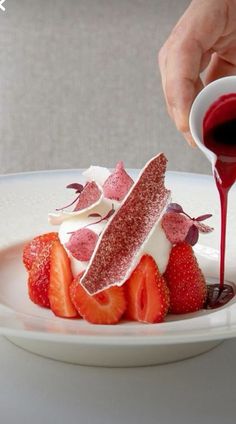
(60, 279)
(185, 280)
(39, 274)
(147, 293)
(33, 248)
(106, 307)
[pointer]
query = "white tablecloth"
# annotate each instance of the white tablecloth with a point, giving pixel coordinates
(38, 390)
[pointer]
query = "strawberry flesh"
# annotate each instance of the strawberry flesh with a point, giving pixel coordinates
(60, 279)
(105, 307)
(147, 293)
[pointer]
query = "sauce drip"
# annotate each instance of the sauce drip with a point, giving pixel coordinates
(219, 136)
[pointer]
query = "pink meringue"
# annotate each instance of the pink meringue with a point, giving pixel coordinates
(176, 226)
(90, 195)
(118, 183)
(82, 244)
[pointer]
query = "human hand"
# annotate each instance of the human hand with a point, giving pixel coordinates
(204, 39)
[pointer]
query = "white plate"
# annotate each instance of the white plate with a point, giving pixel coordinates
(25, 202)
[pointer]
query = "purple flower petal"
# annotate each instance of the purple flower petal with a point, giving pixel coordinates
(106, 217)
(94, 215)
(174, 207)
(192, 236)
(76, 186)
(203, 217)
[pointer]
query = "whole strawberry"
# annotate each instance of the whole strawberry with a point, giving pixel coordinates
(185, 280)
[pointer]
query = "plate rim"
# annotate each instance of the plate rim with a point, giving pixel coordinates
(216, 333)
(23, 174)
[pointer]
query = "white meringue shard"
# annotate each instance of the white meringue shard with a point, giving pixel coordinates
(99, 174)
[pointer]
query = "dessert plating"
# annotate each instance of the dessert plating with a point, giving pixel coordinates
(117, 254)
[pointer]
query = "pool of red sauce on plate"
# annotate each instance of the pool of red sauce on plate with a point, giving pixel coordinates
(219, 136)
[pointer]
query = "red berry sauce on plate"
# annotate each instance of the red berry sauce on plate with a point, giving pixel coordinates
(219, 136)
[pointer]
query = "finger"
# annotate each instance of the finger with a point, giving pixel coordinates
(221, 65)
(162, 66)
(181, 99)
(162, 58)
(189, 51)
(162, 63)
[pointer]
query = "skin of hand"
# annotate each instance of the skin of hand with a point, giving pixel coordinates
(204, 39)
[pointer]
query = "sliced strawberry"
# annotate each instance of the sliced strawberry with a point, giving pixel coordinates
(39, 274)
(60, 279)
(147, 293)
(185, 280)
(106, 307)
(33, 248)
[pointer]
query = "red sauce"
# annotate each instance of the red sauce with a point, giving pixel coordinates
(219, 136)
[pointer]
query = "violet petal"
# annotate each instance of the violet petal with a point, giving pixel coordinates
(174, 207)
(94, 215)
(203, 217)
(192, 236)
(76, 186)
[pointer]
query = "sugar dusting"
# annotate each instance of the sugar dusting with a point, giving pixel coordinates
(129, 228)
(118, 183)
(90, 195)
(82, 244)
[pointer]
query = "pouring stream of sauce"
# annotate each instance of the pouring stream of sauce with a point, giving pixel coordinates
(219, 136)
